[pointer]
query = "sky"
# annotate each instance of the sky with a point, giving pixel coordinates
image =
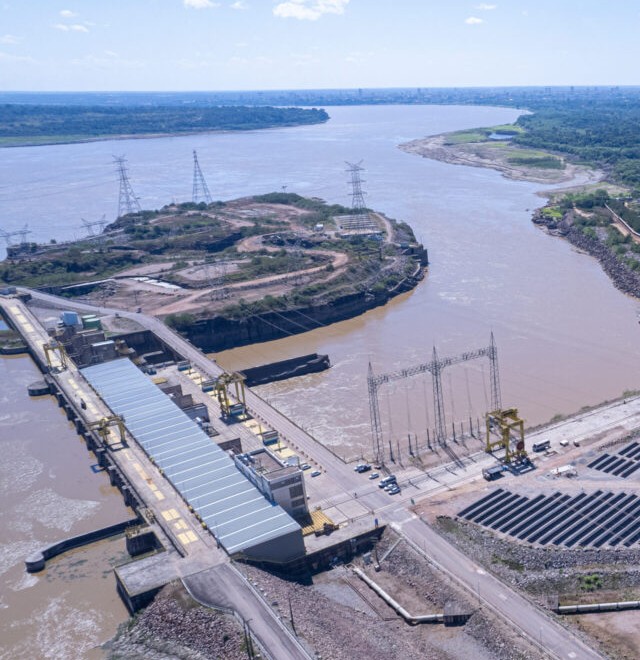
(209, 45)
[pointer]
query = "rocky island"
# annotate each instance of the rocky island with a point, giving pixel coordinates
(232, 273)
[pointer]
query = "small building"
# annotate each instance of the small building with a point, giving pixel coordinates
(278, 481)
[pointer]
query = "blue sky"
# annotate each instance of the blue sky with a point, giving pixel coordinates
(295, 44)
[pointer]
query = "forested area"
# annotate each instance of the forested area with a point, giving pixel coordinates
(602, 131)
(21, 123)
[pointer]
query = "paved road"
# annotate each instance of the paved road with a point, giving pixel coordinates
(224, 586)
(535, 623)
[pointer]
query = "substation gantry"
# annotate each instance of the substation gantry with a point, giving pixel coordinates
(222, 384)
(435, 368)
(54, 349)
(102, 426)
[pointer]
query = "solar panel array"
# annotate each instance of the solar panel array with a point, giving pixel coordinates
(206, 477)
(599, 519)
(623, 464)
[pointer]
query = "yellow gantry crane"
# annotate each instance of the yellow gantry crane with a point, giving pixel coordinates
(222, 392)
(102, 426)
(506, 422)
(55, 349)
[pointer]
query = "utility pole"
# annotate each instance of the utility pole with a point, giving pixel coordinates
(293, 625)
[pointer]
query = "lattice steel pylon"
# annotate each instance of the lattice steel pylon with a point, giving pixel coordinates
(494, 376)
(127, 200)
(357, 194)
(200, 188)
(435, 368)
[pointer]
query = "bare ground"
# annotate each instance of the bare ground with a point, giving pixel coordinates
(483, 154)
(340, 618)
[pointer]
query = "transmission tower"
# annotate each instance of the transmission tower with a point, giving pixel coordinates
(200, 188)
(101, 224)
(127, 200)
(357, 194)
(7, 235)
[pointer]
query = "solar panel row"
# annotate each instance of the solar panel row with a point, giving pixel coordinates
(623, 464)
(560, 519)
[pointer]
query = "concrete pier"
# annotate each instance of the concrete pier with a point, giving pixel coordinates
(37, 560)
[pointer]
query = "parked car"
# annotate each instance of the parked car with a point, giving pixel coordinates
(373, 475)
(393, 491)
(316, 473)
(305, 466)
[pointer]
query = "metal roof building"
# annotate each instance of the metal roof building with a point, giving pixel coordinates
(237, 513)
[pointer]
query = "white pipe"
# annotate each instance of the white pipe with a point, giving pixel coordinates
(599, 607)
(425, 618)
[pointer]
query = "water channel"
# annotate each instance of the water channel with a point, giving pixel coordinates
(566, 337)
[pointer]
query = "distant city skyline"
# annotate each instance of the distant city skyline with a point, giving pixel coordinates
(192, 45)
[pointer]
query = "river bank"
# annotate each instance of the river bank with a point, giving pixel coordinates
(499, 155)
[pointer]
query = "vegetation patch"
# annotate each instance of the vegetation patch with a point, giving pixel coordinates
(48, 124)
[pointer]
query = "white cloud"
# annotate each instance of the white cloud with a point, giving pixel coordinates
(76, 27)
(483, 6)
(8, 57)
(67, 13)
(309, 10)
(10, 40)
(239, 4)
(199, 4)
(473, 20)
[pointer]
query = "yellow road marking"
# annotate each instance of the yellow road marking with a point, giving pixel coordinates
(187, 537)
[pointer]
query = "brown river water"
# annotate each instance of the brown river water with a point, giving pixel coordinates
(50, 491)
(566, 337)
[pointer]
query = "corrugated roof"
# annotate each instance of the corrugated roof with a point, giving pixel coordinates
(206, 477)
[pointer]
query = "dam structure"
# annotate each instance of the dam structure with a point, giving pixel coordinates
(240, 517)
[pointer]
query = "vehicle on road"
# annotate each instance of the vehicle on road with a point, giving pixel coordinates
(541, 445)
(316, 473)
(373, 475)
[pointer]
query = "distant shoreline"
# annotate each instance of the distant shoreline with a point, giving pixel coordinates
(43, 125)
(137, 136)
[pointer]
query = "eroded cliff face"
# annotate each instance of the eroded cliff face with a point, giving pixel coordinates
(220, 333)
